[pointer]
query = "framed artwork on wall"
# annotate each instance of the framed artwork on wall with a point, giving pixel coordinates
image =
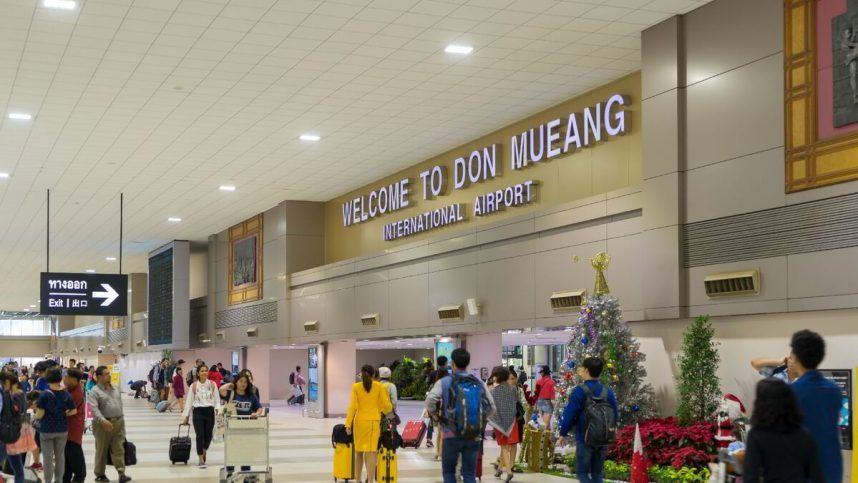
(245, 261)
(821, 92)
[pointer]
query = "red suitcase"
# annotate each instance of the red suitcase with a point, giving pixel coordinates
(412, 435)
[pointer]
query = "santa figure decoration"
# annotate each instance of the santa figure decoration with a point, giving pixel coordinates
(729, 410)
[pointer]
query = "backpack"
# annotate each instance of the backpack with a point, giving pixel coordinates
(192, 375)
(10, 420)
(292, 378)
(466, 406)
(152, 375)
(600, 421)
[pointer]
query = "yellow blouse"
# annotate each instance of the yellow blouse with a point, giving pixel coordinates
(368, 406)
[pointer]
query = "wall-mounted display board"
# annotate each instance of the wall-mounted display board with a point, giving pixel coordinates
(161, 298)
(843, 379)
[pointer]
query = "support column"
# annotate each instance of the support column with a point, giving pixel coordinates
(485, 350)
(259, 362)
(340, 373)
(664, 165)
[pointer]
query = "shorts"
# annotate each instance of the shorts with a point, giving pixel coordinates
(545, 406)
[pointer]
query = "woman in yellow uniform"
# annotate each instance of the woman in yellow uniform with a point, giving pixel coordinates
(369, 402)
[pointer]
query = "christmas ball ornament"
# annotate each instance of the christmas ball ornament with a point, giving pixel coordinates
(604, 313)
(585, 340)
(636, 408)
(610, 365)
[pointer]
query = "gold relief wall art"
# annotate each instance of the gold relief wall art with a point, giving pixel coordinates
(245, 261)
(820, 92)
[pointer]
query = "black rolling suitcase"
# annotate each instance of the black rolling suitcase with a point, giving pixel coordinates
(180, 447)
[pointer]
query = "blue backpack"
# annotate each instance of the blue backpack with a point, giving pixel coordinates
(466, 406)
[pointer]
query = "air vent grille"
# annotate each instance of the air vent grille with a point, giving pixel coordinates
(567, 300)
(369, 320)
(221, 335)
(311, 327)
(451, 313)
(735, 283)
(204, 338)
(254, 332)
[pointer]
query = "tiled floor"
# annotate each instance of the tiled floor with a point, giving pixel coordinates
(300, 451)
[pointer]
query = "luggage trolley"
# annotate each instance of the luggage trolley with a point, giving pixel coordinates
(245, 443)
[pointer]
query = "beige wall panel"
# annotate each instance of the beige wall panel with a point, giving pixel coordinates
(625, 273)
(303, 252)
(740, 185)
(505, 288)
(221, 280)
(737, 113)
(569, 216)
(505, 232)
(661, 247)
(307, 308)
(555, 272)
(26, 346)
(367, 278)
(409, 301)
(305, 218)
(661, 201)
(222, 246)
(274, 288)
(453, 243)
(273, 258)
(741, 308)
(659, 53)
(408, 270)
(822, 193)
(626, 225)
(273, 223)
(340, 314)
(625, 203)
(820, 274)
(453, 287)
(823, 303)
(773, 281)
(512, 248)
(563, 179)
(661, 134)
(373, 299)
(726, 34)
(580, 234)
(454, 260)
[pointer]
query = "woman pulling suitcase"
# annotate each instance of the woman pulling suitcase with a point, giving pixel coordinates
(203, 400)
(369, 401)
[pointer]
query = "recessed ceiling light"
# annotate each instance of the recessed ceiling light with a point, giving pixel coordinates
(309, 137)
(20, 116)
(110, 259)
(32, 306)
(175, 219)
(89, 270)
(60, 4)
(459, 49)
(4, 175)
(227, 187)
(26, 310)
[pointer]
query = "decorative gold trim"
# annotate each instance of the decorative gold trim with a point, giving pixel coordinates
(248, 292)
(809, 162)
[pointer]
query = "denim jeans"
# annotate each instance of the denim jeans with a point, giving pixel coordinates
(450, 451)
(15, 461)
(590, 463)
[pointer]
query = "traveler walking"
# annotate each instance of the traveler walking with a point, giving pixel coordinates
(545, 396)
(298, 382)
(202, 400)
(503, 421)
(178, 387)
(54, 405)
(593, 423)
(440, 372)
(819, 400)
(75, 470)
(369, 401)
(108, 425)
(13, 414)
(778, 448)
(215, 376)
(522, 376)
(249, 374)
(466, 405)
(384, 378)
(239, 394)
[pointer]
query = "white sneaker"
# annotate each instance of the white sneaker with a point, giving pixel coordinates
(202, 466)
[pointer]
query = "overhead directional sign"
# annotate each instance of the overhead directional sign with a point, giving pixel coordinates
(84, 294)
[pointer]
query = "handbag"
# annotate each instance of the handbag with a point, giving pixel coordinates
(130, 454)
(26, 442)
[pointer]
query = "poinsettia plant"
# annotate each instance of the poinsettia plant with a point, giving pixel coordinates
(665, 443)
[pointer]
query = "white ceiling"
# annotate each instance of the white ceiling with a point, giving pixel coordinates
(165, 100)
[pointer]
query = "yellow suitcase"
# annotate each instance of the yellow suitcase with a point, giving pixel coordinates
(386, 471)
(344, 462)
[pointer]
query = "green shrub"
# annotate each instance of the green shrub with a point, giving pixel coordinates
(669, 474)
(617, 471)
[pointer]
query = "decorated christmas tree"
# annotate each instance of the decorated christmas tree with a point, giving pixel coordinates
(600, 331)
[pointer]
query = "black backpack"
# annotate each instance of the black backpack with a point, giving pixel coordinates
(292, 378)
(10, 420)
(601, 425)
(340, 436)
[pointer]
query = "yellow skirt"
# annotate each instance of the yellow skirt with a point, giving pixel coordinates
(366, 433)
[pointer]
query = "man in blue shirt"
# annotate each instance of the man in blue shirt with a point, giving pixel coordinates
(819, 400)
(590, 461)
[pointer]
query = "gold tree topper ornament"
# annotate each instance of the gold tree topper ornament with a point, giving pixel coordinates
(600, 264)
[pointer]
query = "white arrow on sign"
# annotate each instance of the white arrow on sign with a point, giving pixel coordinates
(109, 295)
